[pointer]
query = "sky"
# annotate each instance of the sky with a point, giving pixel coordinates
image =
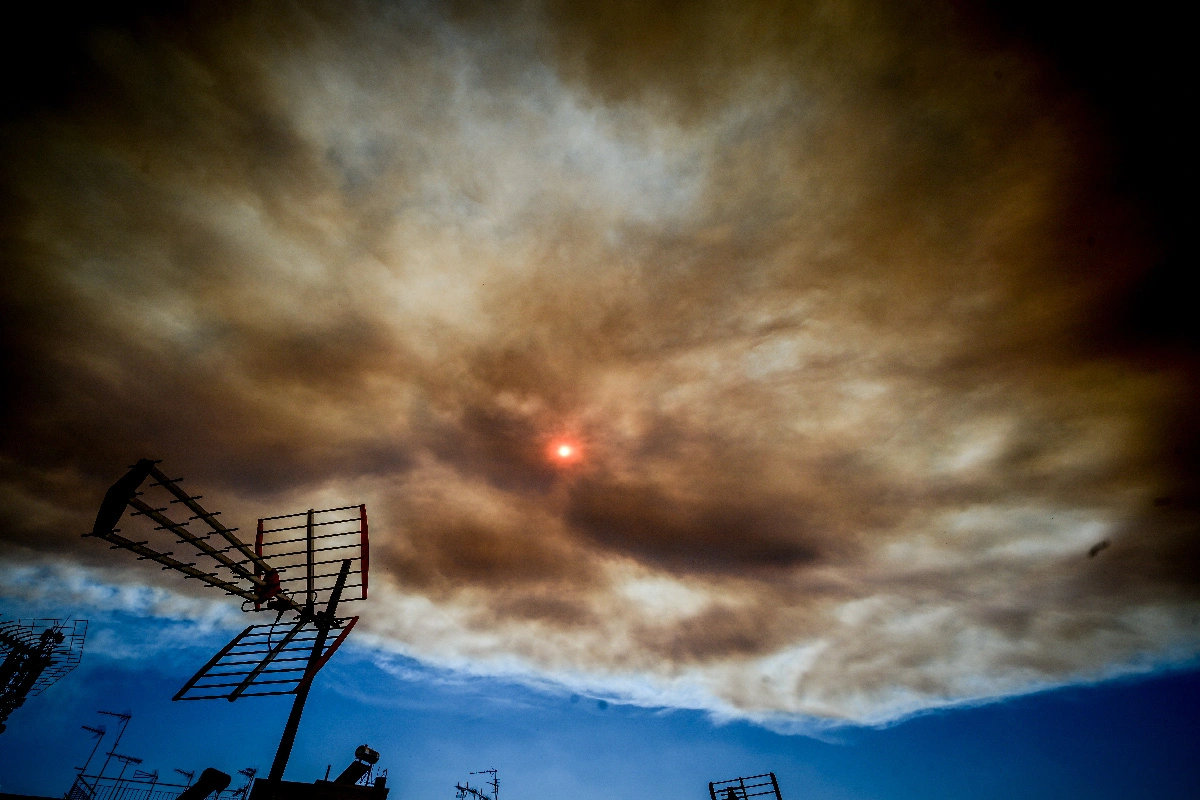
(864, 324)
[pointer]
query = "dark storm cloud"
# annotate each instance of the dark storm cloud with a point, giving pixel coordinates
(823, 294)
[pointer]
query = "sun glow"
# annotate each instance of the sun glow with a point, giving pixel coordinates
(564, 452)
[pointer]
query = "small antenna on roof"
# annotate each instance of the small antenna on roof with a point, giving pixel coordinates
(466, 791)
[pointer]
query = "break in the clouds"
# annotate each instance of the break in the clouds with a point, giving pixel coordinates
(819, 293)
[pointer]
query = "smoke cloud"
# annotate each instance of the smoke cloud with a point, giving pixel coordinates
(823, 293)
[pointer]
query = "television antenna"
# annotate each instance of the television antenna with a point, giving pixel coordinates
(142, 776)
(36, 654)
(125, 762)
(97, 733)
(466, 791)
(764, 785)
(244, 792)
(301, 566)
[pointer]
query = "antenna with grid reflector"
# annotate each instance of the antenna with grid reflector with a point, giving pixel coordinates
(305, 547)
(262, 660)
(35, 654)
(300, 564)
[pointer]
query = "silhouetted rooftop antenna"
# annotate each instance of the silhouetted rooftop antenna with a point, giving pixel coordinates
(244, 791)
(763, 785)
(300, 565)
(125, 762)
(35, 654)
(494, 782)
(142, 776)
(146, 784)
(465, 791)
(81, 789)
(98, 734)
(189, 774)
(123, 717)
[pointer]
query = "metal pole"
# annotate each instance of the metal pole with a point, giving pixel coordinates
(99, 734)
(121, 776)
(124, 724)
(775, 783)
(293, 725)
(324, 623)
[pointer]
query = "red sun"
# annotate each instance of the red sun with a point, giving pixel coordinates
(564, 452)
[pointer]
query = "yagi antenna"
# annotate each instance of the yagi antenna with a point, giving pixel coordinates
(301, 565)
(465, 791)
(240, 571)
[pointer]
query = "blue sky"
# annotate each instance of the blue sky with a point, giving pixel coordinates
(1120, 739)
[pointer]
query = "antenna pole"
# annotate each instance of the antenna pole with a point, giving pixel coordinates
(124, 724)
(293, 725)
(324, 622)
(98, 733)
